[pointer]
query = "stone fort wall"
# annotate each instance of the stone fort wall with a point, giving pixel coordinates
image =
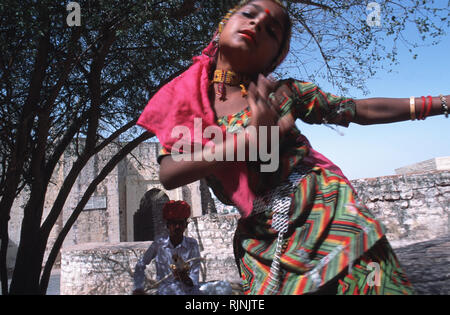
(110, 213)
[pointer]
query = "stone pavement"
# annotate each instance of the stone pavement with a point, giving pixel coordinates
(427, 265)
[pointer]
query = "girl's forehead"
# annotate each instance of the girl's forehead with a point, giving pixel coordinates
(262, 5)
(276, 11)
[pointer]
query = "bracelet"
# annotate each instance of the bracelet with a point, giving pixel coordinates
(422, 112)
(430, 102)
(412, 107)
(444, 105)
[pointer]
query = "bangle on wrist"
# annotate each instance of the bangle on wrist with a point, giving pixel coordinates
(430, 102)
(422, 111)
(412, 107)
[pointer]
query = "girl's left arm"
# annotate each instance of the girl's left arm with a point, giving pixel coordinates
(387, 110)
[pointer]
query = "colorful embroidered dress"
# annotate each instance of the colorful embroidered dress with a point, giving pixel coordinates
(332, 244)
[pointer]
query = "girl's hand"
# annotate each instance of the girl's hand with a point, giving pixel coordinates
(264, 107)
(264, 113)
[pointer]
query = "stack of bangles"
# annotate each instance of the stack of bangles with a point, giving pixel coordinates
(426, 107)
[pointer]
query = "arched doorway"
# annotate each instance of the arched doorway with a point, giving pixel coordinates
(148, 221)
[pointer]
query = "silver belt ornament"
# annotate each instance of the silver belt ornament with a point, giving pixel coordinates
(278, 201)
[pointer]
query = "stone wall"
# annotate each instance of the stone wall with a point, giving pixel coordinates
(109, 215)
(437, 164)
(214, 234)
(99, 268)
(101, 211)
(413, 208)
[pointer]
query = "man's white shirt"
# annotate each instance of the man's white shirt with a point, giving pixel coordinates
(162, 251)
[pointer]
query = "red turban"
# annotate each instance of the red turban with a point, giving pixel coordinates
(176, 210)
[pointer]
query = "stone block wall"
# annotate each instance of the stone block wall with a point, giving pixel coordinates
(99, 221)
(101, 269)
(109, 215)
(436, 164)
(214, 234)
(412, 207)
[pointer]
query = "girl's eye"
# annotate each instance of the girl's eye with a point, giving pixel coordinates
(247, 14)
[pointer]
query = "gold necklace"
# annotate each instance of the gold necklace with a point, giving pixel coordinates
(229, 78)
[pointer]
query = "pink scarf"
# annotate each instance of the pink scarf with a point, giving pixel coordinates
(186, 97)
(177, 104)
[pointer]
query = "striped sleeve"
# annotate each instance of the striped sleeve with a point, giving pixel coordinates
(314, 106)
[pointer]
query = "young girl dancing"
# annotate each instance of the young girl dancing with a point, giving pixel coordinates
(302, 229)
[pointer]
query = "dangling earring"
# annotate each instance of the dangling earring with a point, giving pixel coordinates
(222, 25)
(216, 40)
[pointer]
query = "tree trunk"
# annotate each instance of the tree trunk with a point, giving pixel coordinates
(17, 160)
(4, 238)
(76, 212)
(31, 249)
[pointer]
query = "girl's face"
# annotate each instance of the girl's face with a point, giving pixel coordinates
(252, 37)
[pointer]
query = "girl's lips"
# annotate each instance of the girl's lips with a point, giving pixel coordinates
(248, 35)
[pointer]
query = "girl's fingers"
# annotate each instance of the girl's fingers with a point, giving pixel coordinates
(265, 86)
(274, 103)
(263, 112)
(252, 97)
(256, 99)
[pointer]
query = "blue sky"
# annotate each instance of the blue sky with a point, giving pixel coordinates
(377, 150)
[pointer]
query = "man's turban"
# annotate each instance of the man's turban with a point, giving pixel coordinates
(176, 210)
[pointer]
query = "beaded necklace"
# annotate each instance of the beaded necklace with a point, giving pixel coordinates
(229, 78)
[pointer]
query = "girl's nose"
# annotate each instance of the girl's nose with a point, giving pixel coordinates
(261, 18)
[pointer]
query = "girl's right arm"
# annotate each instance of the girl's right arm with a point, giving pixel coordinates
(175, 173)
